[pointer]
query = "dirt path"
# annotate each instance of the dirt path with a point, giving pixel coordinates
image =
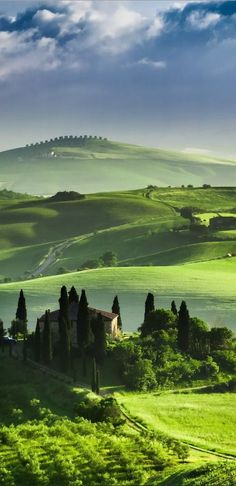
(51, 257)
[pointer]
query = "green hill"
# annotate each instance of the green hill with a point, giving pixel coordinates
(143, 227)
(208, 287)
(90, 165)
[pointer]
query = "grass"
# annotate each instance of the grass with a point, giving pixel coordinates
(205, 420)
(213, 199)
(134, 224)
(197, 252)
(44, 442)
(208, 287)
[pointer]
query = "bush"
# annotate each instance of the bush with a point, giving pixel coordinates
(208, 368)
(226, 359)
(140, 375)
(105, 410)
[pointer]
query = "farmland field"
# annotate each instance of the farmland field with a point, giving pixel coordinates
(201, 419)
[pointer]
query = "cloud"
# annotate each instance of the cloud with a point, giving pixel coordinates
(154, 64)
(156, 27)
(74, 34)
(202, 20)
(20, 52)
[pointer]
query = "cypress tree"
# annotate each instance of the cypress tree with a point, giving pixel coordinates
(83, 328)
(116, 310)
(94, 376)
(149, 305)
(174, 308)
(183, 326)
(37, 343)
(64, 330)
(47, 340)
(99, 332)
(24, 348)
(73, 296)
(2, 334)
(98, 382)
(21, 312)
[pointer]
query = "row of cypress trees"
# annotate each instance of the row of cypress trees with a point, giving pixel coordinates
(91, 336)
(183, 320)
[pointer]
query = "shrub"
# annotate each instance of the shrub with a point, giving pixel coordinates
(140, 375)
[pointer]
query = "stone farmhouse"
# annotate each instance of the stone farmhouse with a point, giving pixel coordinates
(110, 321)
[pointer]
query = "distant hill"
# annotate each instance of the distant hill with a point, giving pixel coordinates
(93, 164)
(66, 196)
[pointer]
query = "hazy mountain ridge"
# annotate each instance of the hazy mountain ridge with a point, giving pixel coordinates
(68, 162)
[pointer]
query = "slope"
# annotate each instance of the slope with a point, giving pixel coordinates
(69, 162)
(208, 287)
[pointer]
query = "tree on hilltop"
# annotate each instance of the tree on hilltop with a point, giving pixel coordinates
(21, 312)
(174, 308)
(183, 327)
(83, 328)
(149, 305)
(116, 310)
(64, 330)
(73, 296)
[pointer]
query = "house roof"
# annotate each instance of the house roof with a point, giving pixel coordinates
(73, 313)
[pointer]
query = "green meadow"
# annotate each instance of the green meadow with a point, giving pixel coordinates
(206, 420)
(156, 250)
(199, 283)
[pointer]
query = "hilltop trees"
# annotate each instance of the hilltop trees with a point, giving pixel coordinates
(64, 329)
(20, 324)
(73, 296)
(174, 308)
(2, 332)
(149, 305)
(183, 326)
(157, 320)
(116, 310)
(83, 327)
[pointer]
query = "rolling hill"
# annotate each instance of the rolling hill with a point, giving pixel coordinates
(90, 164)
(43, 236)
(156, 249)
(208, 287)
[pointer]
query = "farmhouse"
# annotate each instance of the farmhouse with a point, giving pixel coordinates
(110, 321)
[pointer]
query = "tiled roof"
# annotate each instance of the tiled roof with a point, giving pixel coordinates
(73, 313)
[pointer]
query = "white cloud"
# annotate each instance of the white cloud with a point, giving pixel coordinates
(155, 64)
(47, 16)
(201, 21)
(19, 53)
(155, 28)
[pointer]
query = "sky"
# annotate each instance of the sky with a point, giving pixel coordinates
(154, 73)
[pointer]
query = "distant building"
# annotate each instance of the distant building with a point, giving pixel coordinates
(110, 321)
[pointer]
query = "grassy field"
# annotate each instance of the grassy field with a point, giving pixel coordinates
(197, 252)
(142, 227)
(205, 420)
(44, 441)
(208, 287)
(114, 165)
